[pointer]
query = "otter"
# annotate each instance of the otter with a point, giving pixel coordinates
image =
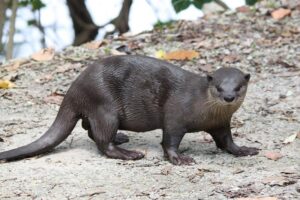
(139, 93)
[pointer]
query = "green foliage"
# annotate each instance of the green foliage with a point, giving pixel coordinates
(180, 5)
(251, 2)
(32, 22)
(199, 3)
(35, 4)
(161, 25)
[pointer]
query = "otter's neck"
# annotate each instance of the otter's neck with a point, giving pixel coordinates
(210, 113)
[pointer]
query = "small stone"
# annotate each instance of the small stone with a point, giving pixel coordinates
(282, 96)
(289, 93)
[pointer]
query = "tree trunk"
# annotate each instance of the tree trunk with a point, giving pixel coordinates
(3, 6)
(121, 22)
(84, 27)
(12, 21)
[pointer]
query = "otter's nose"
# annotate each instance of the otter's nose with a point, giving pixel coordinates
(229, 99)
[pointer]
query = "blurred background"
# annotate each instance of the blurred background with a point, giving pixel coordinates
(29, 25)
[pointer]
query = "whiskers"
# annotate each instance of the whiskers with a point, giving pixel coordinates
(221, 109)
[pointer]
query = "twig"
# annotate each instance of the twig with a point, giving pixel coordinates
(222, 4)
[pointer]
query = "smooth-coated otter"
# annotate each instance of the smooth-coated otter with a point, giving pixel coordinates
(140, 93)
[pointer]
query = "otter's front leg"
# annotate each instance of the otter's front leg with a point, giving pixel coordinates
(223, 138)
(170, 143)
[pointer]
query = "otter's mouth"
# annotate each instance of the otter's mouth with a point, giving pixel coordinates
(228, 104)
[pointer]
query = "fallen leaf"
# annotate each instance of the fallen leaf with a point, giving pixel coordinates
(116, 52)
(280, 13)
(284, 63)
(45, 78)
(206, 68)
(166, 170)
(290, 139)
(231, 58)
(54, 98)
(6, 84)
(67, 67)
(207, 138)
(278, 180)
(206, 44)
(134, 45)
(95, 44)
(43, 55)
(243, 9)
(13, 67)
(160, 54)
(258, 198)
(273, 155)
(181, 55)
(16, 64)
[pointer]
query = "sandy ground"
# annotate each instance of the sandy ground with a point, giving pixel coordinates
(76, 170)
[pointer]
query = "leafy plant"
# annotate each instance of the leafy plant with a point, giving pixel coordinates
(35, 4)
(251, 2)
(180, 5)
(161, 25)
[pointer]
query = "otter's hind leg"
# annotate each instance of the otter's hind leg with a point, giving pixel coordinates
(120, 137)
(104, 126)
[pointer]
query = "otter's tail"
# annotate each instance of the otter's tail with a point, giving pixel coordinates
(60, 129)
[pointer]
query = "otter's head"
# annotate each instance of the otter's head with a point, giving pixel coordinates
(228, 86)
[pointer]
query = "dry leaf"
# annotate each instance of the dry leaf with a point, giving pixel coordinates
(166, 170)
(54, 98)
(206, 68)
(273, 155)
(207, 138)
(206, 44)
(16, 64)
(134, 45)
(181, 55)
(280, 13)
(43, 55)
(231, 58)
(278, 180)
(66, 67)
(116, 52)
(6, 84)
(160, 54)
(45, 78)
(243, 9)
(290, 139)
(13, 67)
(258, 198)
(95, 44)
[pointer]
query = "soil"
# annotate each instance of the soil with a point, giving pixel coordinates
(249, 40)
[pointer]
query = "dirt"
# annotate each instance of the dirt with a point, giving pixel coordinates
(251, 40)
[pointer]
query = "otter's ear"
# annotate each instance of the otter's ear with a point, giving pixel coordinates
(247, 77)
(209, 78)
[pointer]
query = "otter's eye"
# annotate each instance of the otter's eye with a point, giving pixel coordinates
(238, 88)
(219, 89)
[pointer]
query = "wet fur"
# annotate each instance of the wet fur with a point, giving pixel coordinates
(140, 93)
